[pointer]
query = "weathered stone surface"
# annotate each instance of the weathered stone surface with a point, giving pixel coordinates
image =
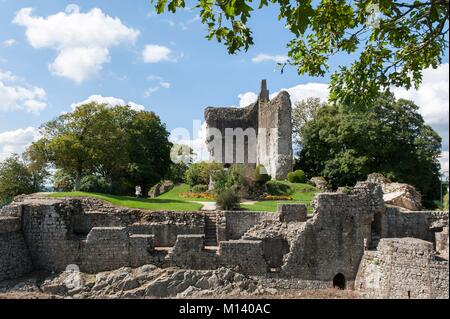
(403, 268)
(160, 188)
(14, 256)
(268, 122)
(320, 183)
(284, 253)
(292, 212)
(398, 194)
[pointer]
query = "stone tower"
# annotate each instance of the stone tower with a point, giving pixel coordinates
(267, 126)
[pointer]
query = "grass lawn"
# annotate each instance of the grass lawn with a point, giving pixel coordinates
(171, 200)
(303, 193)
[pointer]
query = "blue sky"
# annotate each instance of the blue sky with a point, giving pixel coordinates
(180, 73)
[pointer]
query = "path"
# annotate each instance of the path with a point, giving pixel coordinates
(210, 206)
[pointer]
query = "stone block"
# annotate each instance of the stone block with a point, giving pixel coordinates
(292, 212)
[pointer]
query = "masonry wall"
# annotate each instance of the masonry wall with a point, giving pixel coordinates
(333, 241)
(420, 224)
(234, 224)
(275, 135)
(14, 257)
(403, 268)
(60, 233)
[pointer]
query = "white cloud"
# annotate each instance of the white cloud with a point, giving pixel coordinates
(109, 101)
(15, 97)
(154, 53)
(82, 40)
(297, 93)
(185, 25)
(262, 57)
(9, 43)
(161, 85)
(247, 98)
(16, 141)
(432, 96)
(305, 91)
(7, 76)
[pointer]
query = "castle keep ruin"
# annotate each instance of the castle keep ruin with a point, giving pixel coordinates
(260, 133)
(352, 241)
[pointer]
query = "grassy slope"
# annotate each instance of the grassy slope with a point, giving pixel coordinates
(173, 200)
(303, 193)
(168, 201)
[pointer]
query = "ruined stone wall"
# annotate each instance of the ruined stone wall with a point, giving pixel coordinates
(221, 118)
(421, 224)
(275, 136)
(333, 241)
(14, 257)
(403, 268)
(271, 124)
(236, 223)
(60, 232)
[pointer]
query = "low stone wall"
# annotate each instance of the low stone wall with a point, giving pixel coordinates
(403, 268)
(189, 252)
(247, 255)
(236, 223)
(166, 233)
(14, 257)
(418, 224)
(59, 233)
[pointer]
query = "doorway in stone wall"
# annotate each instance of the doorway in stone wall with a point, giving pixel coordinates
(375, 230)
(339, 281)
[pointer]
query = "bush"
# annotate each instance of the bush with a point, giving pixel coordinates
(177, 172)
(446, 202)
(261, 175)
(94, 184)
(228, 200)
(277, 188)
(227, 179)
(200, 189)
(297, 176)
(199, 173)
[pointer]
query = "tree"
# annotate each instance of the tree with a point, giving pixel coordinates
(394, 40)
(303, 112)
(389, 138)
(181, 156)
(15, 179)
(69, 140)
(119, 147)
(149, 150)
(36, 157)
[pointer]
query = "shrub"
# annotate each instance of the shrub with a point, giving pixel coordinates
(94, 184)
(297, 176)
(278, 188)
(199, 173)
(261, 175)
(177, 172)
(200, 188)
(228, 200)
(228, 178)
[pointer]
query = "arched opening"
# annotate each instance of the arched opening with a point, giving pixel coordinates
(339, 281)
(375, 231)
